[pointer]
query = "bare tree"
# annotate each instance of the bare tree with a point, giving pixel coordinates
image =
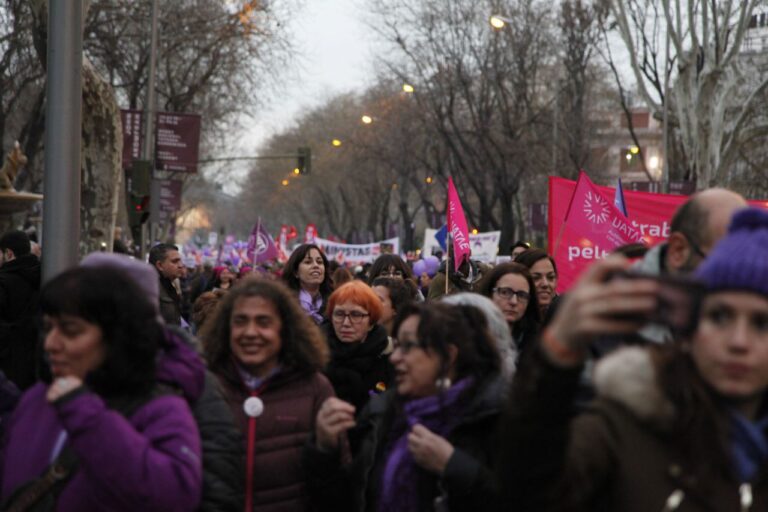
(716, 87)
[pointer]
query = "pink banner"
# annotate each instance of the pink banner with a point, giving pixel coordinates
(457, 226)
(648, 213)
(592, 228)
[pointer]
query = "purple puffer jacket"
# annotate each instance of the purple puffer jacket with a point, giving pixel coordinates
(150, 462)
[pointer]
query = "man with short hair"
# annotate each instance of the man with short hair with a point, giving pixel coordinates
(695, 228)
(19, 296)
(167, 261)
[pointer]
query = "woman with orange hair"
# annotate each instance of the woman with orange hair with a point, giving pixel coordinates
(360, 347)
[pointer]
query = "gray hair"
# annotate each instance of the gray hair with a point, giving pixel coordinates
(497, 326)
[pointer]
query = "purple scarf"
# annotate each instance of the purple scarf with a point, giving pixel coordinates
(311, 306)
(399, 479)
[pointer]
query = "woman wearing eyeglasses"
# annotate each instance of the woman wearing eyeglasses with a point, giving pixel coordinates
(428, 443)
(359, 346)
(510, 286)
(389, 265)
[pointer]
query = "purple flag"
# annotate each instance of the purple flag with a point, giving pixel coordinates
(261, 246)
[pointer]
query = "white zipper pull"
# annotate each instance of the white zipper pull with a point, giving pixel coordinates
(745, 491)
(674, 501)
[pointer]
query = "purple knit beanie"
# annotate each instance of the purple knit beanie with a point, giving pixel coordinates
(139, 272)
(740, 260)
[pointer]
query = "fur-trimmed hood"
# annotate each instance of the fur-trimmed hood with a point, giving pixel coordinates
(629, 377)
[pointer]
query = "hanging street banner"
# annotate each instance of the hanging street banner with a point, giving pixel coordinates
(133, 127)
(649, 213)
(177, 142)
(358, 253)
(177, 139)
(484, 246)
(164, 199)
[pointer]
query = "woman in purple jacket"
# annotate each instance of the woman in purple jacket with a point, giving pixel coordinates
(135, 445)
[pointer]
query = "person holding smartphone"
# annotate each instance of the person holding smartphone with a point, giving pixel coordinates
(679, 426)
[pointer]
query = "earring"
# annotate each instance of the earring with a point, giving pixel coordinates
(443, 384)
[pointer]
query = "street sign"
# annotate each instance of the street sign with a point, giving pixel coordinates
(132, 136)
(177, 142)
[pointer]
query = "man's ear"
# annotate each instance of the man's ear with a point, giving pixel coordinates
(678, 251)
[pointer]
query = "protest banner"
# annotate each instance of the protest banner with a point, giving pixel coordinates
(649, 213)
(358, 253)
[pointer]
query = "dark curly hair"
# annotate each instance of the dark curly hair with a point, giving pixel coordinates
(304, 348)
(131, 332)
(465, 327)
(292, 267)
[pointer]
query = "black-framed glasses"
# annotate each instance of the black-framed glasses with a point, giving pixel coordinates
(391, 273)
(405, 346)
(508, 293)
(354, 316)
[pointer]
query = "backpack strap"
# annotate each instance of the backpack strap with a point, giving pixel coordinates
(28, 497)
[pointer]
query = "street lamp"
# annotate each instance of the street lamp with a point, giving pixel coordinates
(284, 183)
(336, 143)
(366, 119)
(408, 88)
(498, 21)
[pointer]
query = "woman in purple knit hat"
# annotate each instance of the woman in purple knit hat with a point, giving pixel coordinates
(681, 426)
(103, 435)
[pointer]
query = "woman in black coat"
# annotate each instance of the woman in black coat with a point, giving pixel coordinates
(360, 347)
(427, 443)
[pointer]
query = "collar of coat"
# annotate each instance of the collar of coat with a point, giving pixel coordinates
(628, 377)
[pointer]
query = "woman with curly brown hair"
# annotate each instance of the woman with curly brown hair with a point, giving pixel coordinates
(267, 353)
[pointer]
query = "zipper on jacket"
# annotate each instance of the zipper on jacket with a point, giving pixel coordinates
(673, 501)
(745, 492)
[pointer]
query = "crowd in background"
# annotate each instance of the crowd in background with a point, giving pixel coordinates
(396, 385)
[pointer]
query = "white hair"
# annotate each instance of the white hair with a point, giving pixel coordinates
(497, 326)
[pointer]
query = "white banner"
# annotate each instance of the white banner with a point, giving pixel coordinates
(358, 253)
(484, 246)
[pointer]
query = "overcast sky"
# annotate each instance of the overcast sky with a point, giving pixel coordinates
(335, 58)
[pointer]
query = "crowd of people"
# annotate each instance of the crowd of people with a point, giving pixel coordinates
(400, 386)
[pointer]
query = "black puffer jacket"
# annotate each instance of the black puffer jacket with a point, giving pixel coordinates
(19, 297)
(222, 441)
(359, 370)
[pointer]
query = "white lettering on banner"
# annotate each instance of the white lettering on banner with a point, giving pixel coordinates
(458, 237)
(626, 229)
(586, 253)
(654, 230)
(358, 253)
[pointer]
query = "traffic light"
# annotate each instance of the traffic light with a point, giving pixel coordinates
(304, 163)
(139, 180)
(138, 209)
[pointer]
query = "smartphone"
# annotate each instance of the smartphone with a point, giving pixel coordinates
(679, 301)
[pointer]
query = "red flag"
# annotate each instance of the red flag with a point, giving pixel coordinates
(310, 233)
(593, 227)
(457, 226)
